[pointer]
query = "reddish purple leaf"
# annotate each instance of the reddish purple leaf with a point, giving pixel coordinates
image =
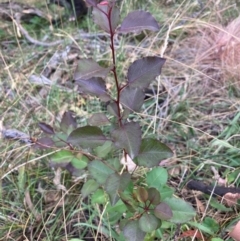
(152, 152)
(44, 143)
(143, 71)
(163, 211)
(68, 121)
(46, 128)
(94, 86)
(98, 119)
(137, 21)
(88, 68)
(154, 196)
(128, 137)
(132, 98)
(113, 108)
(87, 136)
(101, 16)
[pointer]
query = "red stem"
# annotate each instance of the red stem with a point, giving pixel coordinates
(112, 33)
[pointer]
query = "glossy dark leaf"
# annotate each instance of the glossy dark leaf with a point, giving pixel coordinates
(128, 137)
(116, 183)
(153, 196)
(92, 3)
(93, 86)
(132, 231)
(132, 98)
(88, 68)
(112, 109)
(87, 136)
(137, 21)
(148, 223)
(103, 12)
(89, 187)
(46, 128)
(163, 211)
(98, 119)
(143, 71)
(68, 121)
(99, 171)
(152, 152)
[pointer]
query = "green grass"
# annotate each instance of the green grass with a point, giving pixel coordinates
(198, 117)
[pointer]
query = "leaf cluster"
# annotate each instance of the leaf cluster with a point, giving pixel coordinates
(89, 149)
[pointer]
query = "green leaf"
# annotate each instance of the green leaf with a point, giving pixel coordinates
(182, 211)
(149, 223)
(119, 207)
(165, 192)
(115, 164)
(87, 136)
(99, 171)
(219, 206)
(152, 152)
(157, 177)
(89, 187)
(79, 161)
(62, 157)
(128, 137)
(132, 231)
(102, 151)
(202, 227)
(211, 223)
(130, 203)
(99, 197)
(163, 211)
(116, 183)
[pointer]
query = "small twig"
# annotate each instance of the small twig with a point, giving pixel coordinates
(208, 189)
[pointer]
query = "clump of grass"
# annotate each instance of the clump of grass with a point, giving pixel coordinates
(213, 50)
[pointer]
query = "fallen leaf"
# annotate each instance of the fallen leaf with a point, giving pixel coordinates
(231, 199)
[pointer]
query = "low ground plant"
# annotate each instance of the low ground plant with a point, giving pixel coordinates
(136, 208)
